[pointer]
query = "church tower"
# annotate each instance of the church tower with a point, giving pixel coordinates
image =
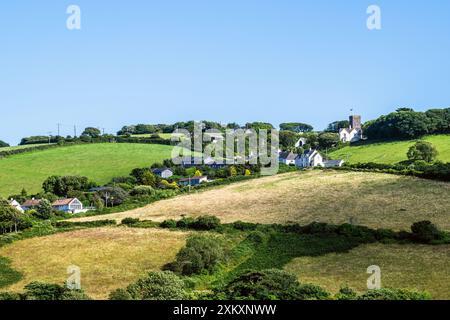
(355, 122)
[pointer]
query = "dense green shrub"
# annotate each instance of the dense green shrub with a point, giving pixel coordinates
(169, 224)
(85, 224)
(271, 284)
(244, 226)
(425, 231)
(206, 223)
(394, 294)
(185, 223)
(46, 292)
(130, 221)
(156, 286)
(142, 191)
(257, 237)
(10, 296)
(202, 253)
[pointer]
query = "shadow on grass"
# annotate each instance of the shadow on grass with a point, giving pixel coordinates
(8, 276)
(281, 248)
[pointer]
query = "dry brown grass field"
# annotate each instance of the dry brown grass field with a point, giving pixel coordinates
(416, 267)
(109, 258)
(372, 199)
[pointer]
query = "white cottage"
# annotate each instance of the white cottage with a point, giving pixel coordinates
(13, 203)
(287, 157)
(310, 158)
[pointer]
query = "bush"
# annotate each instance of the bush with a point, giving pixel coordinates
(86, 224)
(202, 253)
(156, 286)
(169, 224)
(394, 294)
(206, 223)
(47, 292)
(142, 191)
(425, 231)
(130, 221)
(271, 284)
(244, 226)
(185, 223)
(257, 237)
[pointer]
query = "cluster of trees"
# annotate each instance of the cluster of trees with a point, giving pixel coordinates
(406, 123)
(12, 220)
(3, 144)
(297, 127)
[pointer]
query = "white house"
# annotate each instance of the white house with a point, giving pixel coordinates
(287, 157)
(310, 158)
(70, 205)
(163, 173)
(301, 142)
(13, 203)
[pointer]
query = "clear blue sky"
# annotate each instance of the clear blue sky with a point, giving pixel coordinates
(234, 60)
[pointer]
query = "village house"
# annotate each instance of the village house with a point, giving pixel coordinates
(301, 142)
(16, 205)
(287, 157)
(354, 132)
(310, 158)
(194, 181)
(30, 204)
(70, 205)
(163, 172)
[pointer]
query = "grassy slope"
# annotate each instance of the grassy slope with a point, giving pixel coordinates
(375, 200)
(109, 258)
(390, 152)
(99, 162)
(416, 267)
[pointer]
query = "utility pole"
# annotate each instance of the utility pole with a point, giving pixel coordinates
(74, 131)
(49, 137)
(59, 125)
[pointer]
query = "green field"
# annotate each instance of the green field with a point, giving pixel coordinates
(99, 162)
(390, 152)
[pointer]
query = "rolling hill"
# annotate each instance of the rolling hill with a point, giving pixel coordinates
(390, 152)
(371, 199)
(99, 162)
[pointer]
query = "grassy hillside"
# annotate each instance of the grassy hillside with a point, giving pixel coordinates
(371, 199)
(416, 267)
(99, 162)
(390, 152)
(109, 258)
